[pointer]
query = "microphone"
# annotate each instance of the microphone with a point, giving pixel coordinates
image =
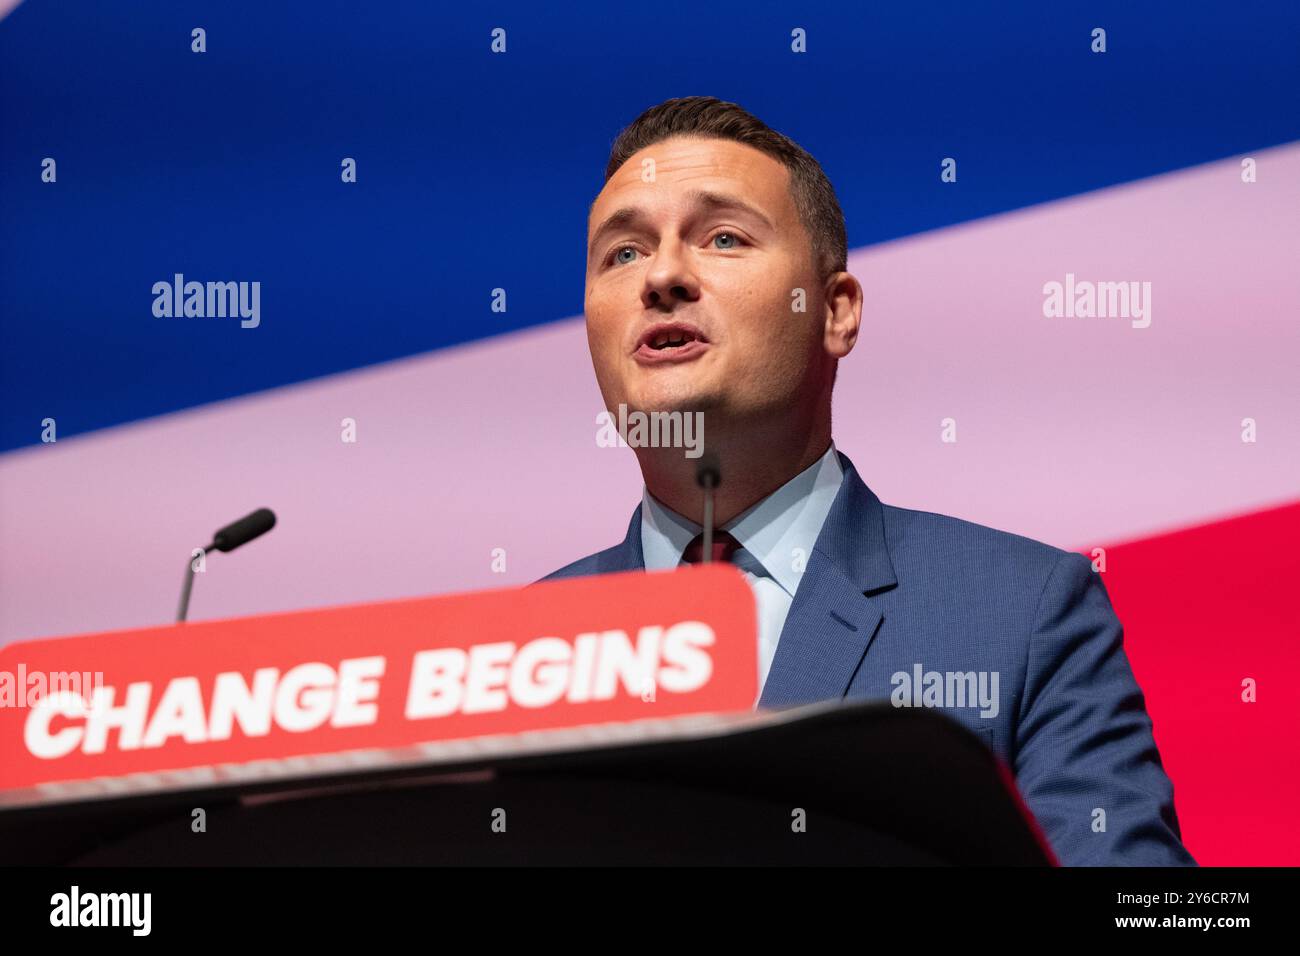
(244, 530)
(708, 475)
(230, 537)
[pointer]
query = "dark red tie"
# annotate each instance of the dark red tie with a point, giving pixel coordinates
(724, 547)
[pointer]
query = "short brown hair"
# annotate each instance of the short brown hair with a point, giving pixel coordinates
(711, 118)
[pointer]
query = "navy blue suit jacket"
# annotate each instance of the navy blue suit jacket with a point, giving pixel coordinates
(886, 589)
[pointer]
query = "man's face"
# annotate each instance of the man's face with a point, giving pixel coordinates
(690, 284)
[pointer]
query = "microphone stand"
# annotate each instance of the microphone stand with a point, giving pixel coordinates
(189, 586)
(708, 477)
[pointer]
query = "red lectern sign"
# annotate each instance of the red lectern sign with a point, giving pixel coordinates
(217, 702)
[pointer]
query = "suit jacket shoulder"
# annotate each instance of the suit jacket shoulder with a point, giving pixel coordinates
(891, 592)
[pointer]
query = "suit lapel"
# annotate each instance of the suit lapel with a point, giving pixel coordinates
(626, 555)
(833, 618)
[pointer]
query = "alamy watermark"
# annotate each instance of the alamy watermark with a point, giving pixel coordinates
(25, 688)
(131, 911)
(652, 430)
(1098, 300)
(209, 300)
(946, 689)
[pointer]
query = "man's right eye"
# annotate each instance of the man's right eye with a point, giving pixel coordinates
(622, 259)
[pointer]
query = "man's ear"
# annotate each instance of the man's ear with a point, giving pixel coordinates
(843, 296)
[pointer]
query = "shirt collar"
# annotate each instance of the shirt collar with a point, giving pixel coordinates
(787, 520)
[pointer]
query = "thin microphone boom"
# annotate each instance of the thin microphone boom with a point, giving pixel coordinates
(708, 476)
(227, 539)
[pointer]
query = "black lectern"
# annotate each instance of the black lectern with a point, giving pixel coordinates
(851, 784)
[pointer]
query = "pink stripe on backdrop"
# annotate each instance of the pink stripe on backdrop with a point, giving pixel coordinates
(1074, 431)
(1083, 430)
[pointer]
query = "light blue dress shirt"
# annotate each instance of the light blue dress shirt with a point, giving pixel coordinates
(776, 538)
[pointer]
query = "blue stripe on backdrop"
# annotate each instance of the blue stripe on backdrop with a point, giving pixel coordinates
(475, 170)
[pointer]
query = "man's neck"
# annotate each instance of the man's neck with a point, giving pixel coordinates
(753, 463)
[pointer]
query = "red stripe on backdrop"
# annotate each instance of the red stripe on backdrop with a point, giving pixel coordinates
(1204, 610)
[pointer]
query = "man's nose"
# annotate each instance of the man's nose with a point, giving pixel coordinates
(671, 279)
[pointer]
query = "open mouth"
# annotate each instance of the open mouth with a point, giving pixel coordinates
(670, 342)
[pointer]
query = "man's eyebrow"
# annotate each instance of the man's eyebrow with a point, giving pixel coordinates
(616, 220)
(724, 201)
(700, 197)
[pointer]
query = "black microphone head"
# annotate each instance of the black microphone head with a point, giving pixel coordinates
(244, 530)
(708, 474)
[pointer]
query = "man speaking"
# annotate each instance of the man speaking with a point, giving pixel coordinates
(716, 287)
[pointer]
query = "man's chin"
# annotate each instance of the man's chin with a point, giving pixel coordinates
(675, 401)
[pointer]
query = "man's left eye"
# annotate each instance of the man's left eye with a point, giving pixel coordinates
(726, 240)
